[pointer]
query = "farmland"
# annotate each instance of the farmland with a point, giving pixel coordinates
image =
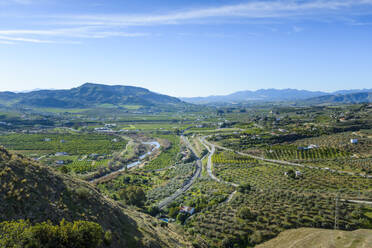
(254, 193)
(74, 144)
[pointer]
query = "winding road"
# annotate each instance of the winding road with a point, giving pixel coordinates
(209, 168)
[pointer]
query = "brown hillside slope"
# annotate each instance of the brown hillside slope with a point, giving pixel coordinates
(320, 238)
(31, 191)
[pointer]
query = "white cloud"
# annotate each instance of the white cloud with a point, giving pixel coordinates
(99, 26)
(23, 39)
(82, 32)
(254, 10)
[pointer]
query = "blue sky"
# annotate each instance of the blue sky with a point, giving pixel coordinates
(186, 48)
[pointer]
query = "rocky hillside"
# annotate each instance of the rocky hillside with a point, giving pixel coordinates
(32, 191)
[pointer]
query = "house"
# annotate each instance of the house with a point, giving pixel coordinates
(60, 162)
(114, 140)
(354, 141)
(110, 125)
(312, 146)
(63, 141)
(298, 174)
(47, 139)
(61, 154)
(188, 210)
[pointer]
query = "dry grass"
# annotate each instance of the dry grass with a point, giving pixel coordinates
(320, 238)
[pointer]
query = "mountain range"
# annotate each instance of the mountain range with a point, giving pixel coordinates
(91, 95)
(275, 95)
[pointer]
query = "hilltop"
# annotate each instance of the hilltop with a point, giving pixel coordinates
(34, 192)
(308, 237)
(92, 95)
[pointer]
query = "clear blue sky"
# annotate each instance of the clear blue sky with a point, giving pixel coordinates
(186, 47)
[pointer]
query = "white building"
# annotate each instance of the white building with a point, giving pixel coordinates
(353, 141)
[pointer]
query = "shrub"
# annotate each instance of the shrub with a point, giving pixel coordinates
(79, 234)
(246, 214)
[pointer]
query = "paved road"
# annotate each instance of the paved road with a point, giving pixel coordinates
(211, 150)
(180, 191)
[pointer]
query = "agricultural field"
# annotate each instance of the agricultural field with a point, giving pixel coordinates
(175, 177)
(157, 185)
(73, 144)
(293, 153)
(269, 197)
(170, 153)
(253, 218)
(204, 194)
(199, 148)
(267, 176)
(227, 157)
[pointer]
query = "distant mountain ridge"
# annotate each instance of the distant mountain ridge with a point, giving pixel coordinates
(268, 95)
(89, 95)
(352, 98)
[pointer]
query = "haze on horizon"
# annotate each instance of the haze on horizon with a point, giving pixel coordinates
(186, 48)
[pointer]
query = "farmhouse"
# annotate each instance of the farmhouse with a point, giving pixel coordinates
(312, 146)
(188, 210)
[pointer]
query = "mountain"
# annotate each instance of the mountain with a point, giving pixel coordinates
(34, 192)
(284, 95)
(311, 237)
(258, 95)
(360, 97)
(91, 95)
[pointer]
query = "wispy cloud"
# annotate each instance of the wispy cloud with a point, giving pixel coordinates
(24, 2)
(99, 26)
(31, 35)
(22, 39)
(80, 32)
(253, 10)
